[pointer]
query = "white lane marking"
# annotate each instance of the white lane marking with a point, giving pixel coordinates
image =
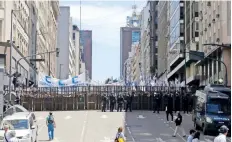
(107, 139)
(128, 129)
(41, 128)
(104, 116)
(83, 128)
(159, 140)
(141, 117)
(179, 135)
(208, 140)
(68, 117)
(56, 140)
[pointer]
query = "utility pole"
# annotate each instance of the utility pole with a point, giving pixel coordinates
(49, 61)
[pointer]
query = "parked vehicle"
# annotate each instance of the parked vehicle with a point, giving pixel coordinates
(212, 109)
(23, 123)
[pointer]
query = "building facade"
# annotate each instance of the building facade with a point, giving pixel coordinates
(26, 32)
(76, 42)
(86, 42)
(162, 40)
(214, 27)
(175, 16)
(67, 58)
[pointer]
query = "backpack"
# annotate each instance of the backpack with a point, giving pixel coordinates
(119, 139)
(50, 119)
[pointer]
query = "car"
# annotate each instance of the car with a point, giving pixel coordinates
(23, 123)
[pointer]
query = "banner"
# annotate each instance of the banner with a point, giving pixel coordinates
(48, 81)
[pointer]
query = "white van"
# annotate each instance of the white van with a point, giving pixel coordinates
(23, 123)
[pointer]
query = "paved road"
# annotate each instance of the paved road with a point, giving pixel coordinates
(96, 126)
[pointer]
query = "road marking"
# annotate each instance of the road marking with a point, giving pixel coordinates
(159, 140)
(83, 128)
(107, 139)
(141, 117)
(68, 117)
(179, 135)
(56, 140)
(41, 128)
(104, 116)
(208, 140)
(128, 129)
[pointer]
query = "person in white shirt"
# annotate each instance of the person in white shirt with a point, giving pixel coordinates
(13, 137)
(223, 131)
(6, 134)
(190, 137)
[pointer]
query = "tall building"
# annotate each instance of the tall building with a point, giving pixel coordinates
(129, 35)
(30, 36)
(86, 42)
(67, 58)
(126, 34)
(176, 42)
(76, 43)
(162, 40)
(214, 27)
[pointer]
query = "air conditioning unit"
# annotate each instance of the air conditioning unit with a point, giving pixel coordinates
(218, 15)
(209, 25)
(218, 39)
(213, 20)
(208, 3)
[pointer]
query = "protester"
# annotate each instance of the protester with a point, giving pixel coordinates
(190, 137)
(223, 131)
(51, 125)
(196, 137)
(13, 137)
(120, 136)
(178, 122)
(6, 134)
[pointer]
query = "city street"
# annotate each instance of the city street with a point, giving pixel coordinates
(96, 126)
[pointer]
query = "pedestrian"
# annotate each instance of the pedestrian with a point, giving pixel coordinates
(51, 125)
(196, 137)
(178, 122)
(120, 136)
(190, 137)
(13, 137)
(6, 133)
(112, 102)
(177, 102)
(156, 101)
(169, 108)
(223, 131)
(104, 101)
(128, 102)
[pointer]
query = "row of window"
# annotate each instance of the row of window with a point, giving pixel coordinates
(20, 41)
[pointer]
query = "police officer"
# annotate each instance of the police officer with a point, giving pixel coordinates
(185, 103)
(112, 102)
(169, 107)
(129, 102)
(156, 101)
(177, 102)
(120, 101)
(104, 101)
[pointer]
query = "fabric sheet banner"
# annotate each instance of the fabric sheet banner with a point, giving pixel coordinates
(48, 81)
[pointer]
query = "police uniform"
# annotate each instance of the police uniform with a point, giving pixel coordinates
(120, 102)
(128, 102)
(112, 102)
(104, 101)
(156, 101)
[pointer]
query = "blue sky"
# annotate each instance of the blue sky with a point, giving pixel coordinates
(104, 18)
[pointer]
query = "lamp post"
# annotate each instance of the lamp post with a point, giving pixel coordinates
(11, 46)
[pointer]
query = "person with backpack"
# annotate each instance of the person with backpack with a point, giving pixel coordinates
(7, 133)
(51, 125)
(178, 122)
(120, 136)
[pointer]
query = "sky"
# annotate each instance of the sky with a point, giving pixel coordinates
(104, 18)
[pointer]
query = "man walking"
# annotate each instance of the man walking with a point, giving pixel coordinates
(169, 108)
(51, 125)
(223, 131)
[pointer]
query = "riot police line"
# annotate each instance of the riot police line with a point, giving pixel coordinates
(155, 100)
(116, 97)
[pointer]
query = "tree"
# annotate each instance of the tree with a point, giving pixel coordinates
(107, 81)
